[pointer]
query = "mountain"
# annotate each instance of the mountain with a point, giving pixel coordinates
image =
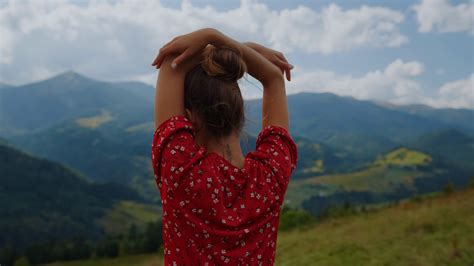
(450, 146)
(97, 154)
(460, 119)
(43, 201)
(362, 127)
(64, 97)
(145, 91)
(5, 86)
(104, 130)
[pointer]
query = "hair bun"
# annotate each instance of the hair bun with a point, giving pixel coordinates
(224, 63)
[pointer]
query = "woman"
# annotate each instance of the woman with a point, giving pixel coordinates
(219, 206)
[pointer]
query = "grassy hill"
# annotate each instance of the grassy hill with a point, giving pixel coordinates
(41, 200)
(49, 211)
(392, 174)
(404, 157)
(434, 231)
(437, 231)
(123, 214)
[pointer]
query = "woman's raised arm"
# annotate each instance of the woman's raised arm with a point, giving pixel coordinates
(274, 105)
(169, 95)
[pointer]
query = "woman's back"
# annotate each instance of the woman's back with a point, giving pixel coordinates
(214, 212)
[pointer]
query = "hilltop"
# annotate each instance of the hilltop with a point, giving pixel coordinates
(434, 231)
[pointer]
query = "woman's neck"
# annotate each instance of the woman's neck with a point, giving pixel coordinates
(229, 148)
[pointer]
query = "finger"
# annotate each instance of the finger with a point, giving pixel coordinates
(282, 57)
(164, 51)
(284, 64)
(159, 59)
(180, 58)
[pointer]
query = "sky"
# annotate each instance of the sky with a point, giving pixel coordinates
(403, 52)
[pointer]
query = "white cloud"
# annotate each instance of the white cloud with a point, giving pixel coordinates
(396, 83)
(457, 94)
(118, 39)
(334, 29)
(441, 16)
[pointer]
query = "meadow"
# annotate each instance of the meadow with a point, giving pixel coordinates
(433, 230)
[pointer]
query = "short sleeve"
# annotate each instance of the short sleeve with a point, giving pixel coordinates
(174, 152)
(276, 149)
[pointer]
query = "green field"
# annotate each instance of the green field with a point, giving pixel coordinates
(376, 179)
(125, 213)
(404, 157)
(95, 121)
(398, 167)
(434, 231)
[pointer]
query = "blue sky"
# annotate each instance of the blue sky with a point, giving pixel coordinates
(397, 51)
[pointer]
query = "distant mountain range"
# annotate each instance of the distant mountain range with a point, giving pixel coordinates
(4, 86)
(43, 104)
(104, 129)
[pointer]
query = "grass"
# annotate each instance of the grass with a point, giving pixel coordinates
(436, 230)
(397, 167)
(125, 213)
(316, 168)
(95, 121)
(379, 179)
(144, 127)
(404, 157)
(135, 260)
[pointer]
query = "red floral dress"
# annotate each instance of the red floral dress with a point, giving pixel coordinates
(216, 213)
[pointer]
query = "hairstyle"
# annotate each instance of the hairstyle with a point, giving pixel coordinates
(212, 94)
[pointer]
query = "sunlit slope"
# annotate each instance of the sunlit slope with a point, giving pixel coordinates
(123, 214)
(387, 174)
(437, 231)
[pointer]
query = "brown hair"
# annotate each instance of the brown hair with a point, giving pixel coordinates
(212, 93)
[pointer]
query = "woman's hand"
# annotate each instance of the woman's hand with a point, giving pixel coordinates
(185, 46)
(276, 57)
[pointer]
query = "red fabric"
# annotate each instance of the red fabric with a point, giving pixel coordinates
(213, 212)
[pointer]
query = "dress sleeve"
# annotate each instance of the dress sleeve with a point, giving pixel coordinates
(277, 151)
(174, 152)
